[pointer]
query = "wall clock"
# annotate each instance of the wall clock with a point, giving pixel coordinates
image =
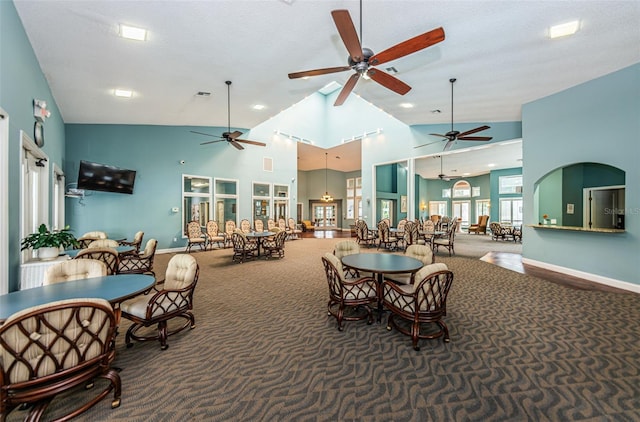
(38, 133)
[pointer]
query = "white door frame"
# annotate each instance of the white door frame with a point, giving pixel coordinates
(4, 209)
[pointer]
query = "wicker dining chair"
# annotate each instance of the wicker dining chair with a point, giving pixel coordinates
(74, 269)
(141, 263)
(107, 255)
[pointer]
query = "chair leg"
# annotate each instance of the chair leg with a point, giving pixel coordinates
(162, 335)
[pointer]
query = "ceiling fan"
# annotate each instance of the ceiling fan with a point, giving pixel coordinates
(454, 135)
(231, 137)
(361, 59)
(443, 176)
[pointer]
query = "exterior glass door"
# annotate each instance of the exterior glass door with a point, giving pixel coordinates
(324, 215)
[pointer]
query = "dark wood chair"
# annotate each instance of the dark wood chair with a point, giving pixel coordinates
(273, 246)
(365, 236)
(243, 249)
(420, 303)
(170, 298)
(447, 241)
(50, 349)
(195, 236)
(498, 232)
(136, 243)
(214, 235)
(344, 294)
(385, 240)
(141, 263)
(107, 255)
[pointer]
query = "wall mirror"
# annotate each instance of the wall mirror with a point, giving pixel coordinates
(584, 195)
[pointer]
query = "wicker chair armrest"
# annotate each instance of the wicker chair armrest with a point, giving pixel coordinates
(157, 300)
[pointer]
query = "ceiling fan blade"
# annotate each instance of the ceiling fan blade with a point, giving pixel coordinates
(234, 135)
(317, 72)
(348, 34)
(475, 138)
(430, 143)
(409, 46)
(437, 134)
(346, 90)
(449, 144)
(205, 134)
(469, 132)
(262, 144)
(388, 81)
(212, 142)
(235, 144)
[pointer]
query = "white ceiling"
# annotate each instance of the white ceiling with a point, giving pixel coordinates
(498, 50)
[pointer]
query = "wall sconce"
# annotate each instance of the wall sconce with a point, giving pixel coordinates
(368, 201)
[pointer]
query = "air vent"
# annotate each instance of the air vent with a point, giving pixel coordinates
(267, 164)
(203, 94)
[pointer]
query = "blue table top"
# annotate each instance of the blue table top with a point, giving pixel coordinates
(114, 288)
(382, 263)
(120, 249)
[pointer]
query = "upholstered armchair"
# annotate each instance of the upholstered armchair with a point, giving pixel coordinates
(107, 255)
(273, 246)
(171, 298)
(74, 269)
(422, 253)
(195, 236)
(344, 248)
(481, 226)
(89, 237)
(135, 243)
(422, 302)
(243, 249)
(51, 349)
(498, 232)
(214, 235)
(104, 243)
(139, 263)
(356, 294)
(385, 240)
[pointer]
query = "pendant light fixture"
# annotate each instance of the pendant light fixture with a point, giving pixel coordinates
(326, 197)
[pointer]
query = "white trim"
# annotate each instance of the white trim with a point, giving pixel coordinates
(587, 276)
(4, 209)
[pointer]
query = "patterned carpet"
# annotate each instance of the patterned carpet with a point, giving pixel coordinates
(522, 349)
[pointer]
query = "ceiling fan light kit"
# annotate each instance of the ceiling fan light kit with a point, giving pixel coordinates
(228, 136)
(361, 58)
(454, 135)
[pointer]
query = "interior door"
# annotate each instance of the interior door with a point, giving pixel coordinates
(324, 215)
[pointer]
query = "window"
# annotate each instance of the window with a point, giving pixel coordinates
(475, 191)
(261, 202)
(226, 197)
(510, 184)
(196, 200)
(461, 189)
(354, 198)
(446, 193)
(34, 189)
(511, 211)
(482, 207)
(281, 202)
(438, 208)
(462, 210)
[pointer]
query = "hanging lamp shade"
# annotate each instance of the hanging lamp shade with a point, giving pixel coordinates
(326, 197)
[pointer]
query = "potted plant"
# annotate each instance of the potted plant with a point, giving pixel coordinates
(47, 242)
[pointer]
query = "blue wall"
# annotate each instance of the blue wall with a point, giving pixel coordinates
(598, 121)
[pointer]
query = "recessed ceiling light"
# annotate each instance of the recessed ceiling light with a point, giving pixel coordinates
(125, 93)
(133, 33)
(564, 29)
(258, 107)
(491, 165)
(406, 105)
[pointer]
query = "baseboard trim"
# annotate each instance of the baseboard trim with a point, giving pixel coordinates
(619, 284)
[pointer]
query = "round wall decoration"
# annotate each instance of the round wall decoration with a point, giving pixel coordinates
(38, 133)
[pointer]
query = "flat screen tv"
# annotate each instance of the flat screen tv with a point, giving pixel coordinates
(101, 177)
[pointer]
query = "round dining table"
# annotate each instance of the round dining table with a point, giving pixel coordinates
(380, 264)
(113, 288)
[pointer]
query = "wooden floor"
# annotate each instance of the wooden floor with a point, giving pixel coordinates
(511, 261)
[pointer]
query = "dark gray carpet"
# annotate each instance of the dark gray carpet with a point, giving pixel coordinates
(264, 350)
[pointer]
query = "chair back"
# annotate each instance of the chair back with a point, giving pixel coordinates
(245, 226)
(182, 272)
(104, 243)
(401, 224)
(387, 221)
(431, 288)
(411, 234)
(136, 242)
(291, 224)
(149, 249)
(346, 247)
(229, 227)
(194, 231)
(107, 255)
(258, 225)
(422, 253)
(282, 224)
(271, 224)
(428, 226)
(51, 349)
(335, 274)
(74, 270)
(212, 228)
(383, 231)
